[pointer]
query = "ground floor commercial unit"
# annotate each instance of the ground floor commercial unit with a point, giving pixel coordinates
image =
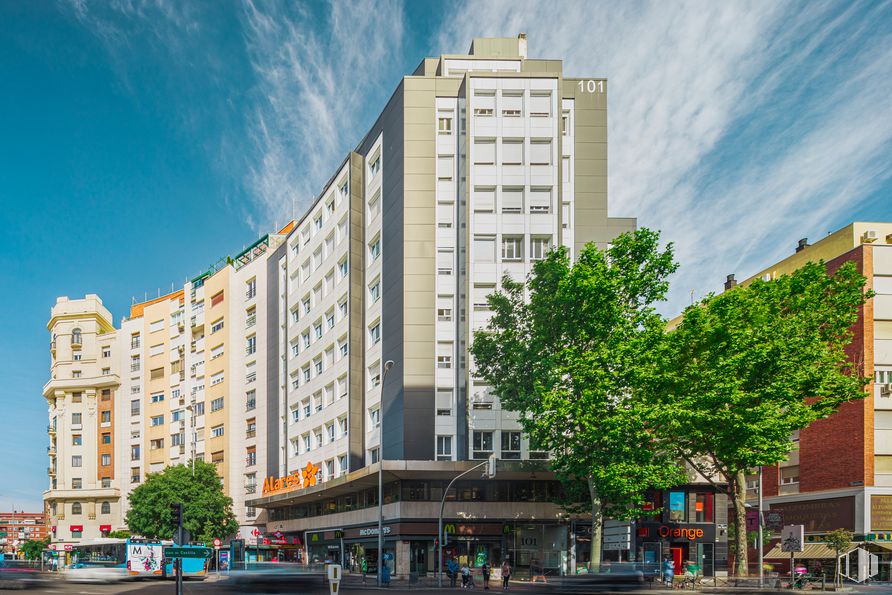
(865, 511)
(513, 517)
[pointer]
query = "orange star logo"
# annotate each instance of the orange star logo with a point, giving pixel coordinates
(309, 474)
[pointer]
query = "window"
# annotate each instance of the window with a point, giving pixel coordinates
(444, 314)
(540, 200)
(217, 325)
(295, 315)
(482, 444)
(77, 483)
(539, 247)
(76, 460)
(306, 373)
(76, 337)
(540, 152)
(198, 409)
(217, 299)
(444, 448)
(77, 357)
(317, 330)
(156, 349)
(134, 341)
(75, 373)
(77, 397)
(217, 457)
(789, 475)
(375, 249)
(106, 482)
(106, 508)
(510, 445)
(512, 152)
(342, 347)
(307, 443)
(444, 125)
(178, 415)
(106, 460)
(484, 200)
(307, 306)
(343, 426)
(106, 352)
(305, 339)
(375, 417)
(330, 320)
(76, 419)
(251, 346)
(217, 378)
(216, 431)
(445, 167)
(484, 248)
(106, 438)
(484, 103)
(217, 351)
(375, 334)
(484, 152)
(444, 261)
(512, 248)
(76, 509)
(318, 366)
(343, 308)
(512, 104)
(77, 440)
(134, 452)
(217, 404)
(156, 374)
(374, 455)
(565, 123)
(375, 165)
(444, 401)
(106, 371)
(330, 430)
(157, 420)
(342, 268)
(677, 511)
(512, 200)
(703, 507)
(317, 223)
(157, 397)
(251, 456)
(540, 105)
(444, 356)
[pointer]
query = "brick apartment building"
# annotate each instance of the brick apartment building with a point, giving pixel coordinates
(18, 527)
(840, 476)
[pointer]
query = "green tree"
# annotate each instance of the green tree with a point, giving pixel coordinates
(207, 511)
(840, 541)
(750, 366)
(33, 547)
(570, 358)
(119, 534)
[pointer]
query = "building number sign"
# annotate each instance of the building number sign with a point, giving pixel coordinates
(591, 86)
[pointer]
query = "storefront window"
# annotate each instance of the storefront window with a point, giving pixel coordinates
(703, 507)
(677, 506)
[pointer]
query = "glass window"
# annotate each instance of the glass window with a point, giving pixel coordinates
(512, 248)
(677, 510)
(510, 445)
(703, 507)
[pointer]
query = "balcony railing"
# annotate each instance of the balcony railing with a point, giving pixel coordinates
(251, 404)
(134, 367)
(251, 489)
(251, 321)
(251, 461)
(51, 429)
(250, 433)
(51, 471)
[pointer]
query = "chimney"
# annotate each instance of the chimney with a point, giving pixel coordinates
(522, 45)
(802, 245)
(730, 282)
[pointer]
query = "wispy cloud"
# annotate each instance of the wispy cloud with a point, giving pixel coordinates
(316, 72)
(736, 128)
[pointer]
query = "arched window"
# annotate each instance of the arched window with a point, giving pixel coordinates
(76, 508)
(76, 336)
(106, 508)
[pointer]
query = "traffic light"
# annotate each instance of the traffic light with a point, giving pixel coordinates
(176, 515)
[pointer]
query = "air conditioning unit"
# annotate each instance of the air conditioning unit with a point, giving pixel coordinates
(886, 390)
(868, 237)
(182, 424)
(182, 448)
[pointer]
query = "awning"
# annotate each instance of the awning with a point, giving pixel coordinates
(75, 528)
(812, 551)
(105, 528)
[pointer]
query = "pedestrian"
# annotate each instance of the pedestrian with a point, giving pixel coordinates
(467, 581)
(485, 570)
(364, 567)
(452, 571)
(668, 571)
(506, 573)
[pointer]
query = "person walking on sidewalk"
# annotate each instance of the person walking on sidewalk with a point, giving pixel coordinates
(452, 571)
(668, 571)
(364, 567)
(506, 574)
(467, 579)
(485, 570)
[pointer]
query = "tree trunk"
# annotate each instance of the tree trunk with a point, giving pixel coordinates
(597, 528)
(739, 500)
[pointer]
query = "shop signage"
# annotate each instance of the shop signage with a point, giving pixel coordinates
(689, 533)
(880, 513)
(673, 532)
(819, 515)
(374, 531)
(302, 478)
(774, 519)
(793, 538)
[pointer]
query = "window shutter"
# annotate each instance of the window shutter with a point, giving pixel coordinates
(512, 200)
(540, 105)
(484, 199)
(540, 153)
(512, 152)
(484, 152)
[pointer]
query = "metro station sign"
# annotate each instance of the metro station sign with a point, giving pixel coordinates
(302, 478)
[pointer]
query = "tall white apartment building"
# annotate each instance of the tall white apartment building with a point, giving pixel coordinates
(477, 166)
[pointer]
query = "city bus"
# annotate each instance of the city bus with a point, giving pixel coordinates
(139, 558)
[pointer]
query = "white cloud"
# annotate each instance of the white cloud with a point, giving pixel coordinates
(315, 74)
(718, 135)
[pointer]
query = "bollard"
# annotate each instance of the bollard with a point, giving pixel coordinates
(334, 578)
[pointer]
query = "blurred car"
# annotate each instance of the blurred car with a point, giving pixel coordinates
(19, 574)
(95, 572)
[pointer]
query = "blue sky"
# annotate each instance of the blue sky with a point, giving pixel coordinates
(140, 140)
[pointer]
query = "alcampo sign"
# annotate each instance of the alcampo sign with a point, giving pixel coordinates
(302, 478)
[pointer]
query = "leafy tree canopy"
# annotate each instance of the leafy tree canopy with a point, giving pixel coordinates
(207, 511)
(33, 547)
(568, 349)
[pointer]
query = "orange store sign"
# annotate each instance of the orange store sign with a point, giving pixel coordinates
(689, 533)
(302, 478)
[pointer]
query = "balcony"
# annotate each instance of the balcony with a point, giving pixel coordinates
(76, 343)
(251, 489)
(51, 471)
(251, 461)
(251, 321)
(134, 367)
(134, 344)
(51, 450)
(251, 404)
(250, 433)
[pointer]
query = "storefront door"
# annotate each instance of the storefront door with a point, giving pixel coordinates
(677, 553)
(418, 557)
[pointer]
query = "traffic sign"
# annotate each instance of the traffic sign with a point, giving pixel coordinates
(188, 552)
(217, 542)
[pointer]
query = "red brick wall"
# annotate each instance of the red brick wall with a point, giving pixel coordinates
(837, 451)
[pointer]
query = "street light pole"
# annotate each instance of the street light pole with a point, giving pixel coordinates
(440, 520)
(387, 365)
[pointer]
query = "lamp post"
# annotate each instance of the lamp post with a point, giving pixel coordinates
(761, 566)
(387, 365)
